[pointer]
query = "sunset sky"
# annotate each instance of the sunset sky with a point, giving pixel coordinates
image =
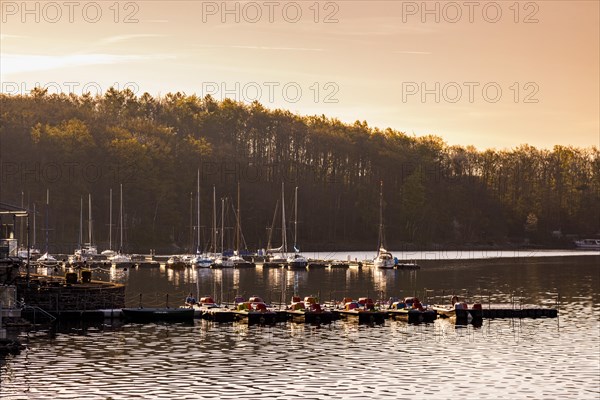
(353, 60)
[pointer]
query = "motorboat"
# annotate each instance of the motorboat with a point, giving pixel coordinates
(384, 259)
(588, 244)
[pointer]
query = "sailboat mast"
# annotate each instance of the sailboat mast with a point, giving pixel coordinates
(90, 219)
(273, 224)
(198, 247)
(33, 243)
(283, 235)
(22, 230)
(237, 224)
(121, 215)
(191, 222)
(214, 229)
(110, 221)
(47, 208)
(80, 222)
(295, 217)
(222, 222)
(380, 217)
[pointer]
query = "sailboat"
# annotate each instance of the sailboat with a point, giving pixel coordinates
(87, 251)
(384, 259)
(223, 261)
(32, 252)
(296, 260)
(121, 260)
(109, 252)
(237, 259)
(46, 259)
(199, 260)
(278, 257)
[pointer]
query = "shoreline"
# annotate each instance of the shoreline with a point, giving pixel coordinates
(593, 259)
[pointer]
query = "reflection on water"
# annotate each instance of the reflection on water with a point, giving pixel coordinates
(510, 358)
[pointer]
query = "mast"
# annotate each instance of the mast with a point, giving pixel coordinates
(34, 229)
(90, 219)
(80, 222)
(295, 217)
(33, 242)
(273, 225)
(121, 215)
(237, 222)
(191, 222)
(214, 229)
(22, 230)
(222, 222)
(283, 235)
(47, 208)
(380, 217)
(198, 247)
(110, 222)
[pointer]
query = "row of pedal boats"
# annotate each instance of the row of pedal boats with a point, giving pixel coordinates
(255, 310)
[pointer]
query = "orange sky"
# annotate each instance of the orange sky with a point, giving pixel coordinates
(387, 62)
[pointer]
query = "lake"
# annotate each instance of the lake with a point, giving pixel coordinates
(502, 358)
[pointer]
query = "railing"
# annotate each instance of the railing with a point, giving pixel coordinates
(51, 318)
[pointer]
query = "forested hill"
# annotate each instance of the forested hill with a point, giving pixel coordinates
(433, 193)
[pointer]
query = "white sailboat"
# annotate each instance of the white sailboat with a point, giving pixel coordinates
(296, 260)
(278, 256)
(121, 259)
(384, 259)
(237, 259)
(87, 251)
(46, 259)
(33, 252)
(200, 260)
(588, 244)
(108, 253)
(223, 261)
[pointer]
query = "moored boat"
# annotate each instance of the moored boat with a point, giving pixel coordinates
(362, 310)
(47, 260)
(308, 311)
(384, 259)
(297, 261)
(255, 312)
(122, 261)
(207, 308)
(411, 310)
(176, 262)
(201, 261)
(588, 244)
(459, 309)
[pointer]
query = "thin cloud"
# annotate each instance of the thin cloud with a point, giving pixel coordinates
(412, 52)
(277, 48)
(122, 38)
(267, 48)
(18, 63)
(4, 36)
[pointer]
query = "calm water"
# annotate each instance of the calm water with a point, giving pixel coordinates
(512, 359)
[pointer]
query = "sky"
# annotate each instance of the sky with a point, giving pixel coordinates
(483, 73)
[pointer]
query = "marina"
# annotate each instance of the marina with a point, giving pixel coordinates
(342, 345)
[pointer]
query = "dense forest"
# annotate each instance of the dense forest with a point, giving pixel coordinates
(434, 194)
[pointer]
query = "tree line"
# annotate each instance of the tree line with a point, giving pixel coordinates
(434, 193)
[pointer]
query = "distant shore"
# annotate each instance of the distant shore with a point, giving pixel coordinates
(583, 258)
